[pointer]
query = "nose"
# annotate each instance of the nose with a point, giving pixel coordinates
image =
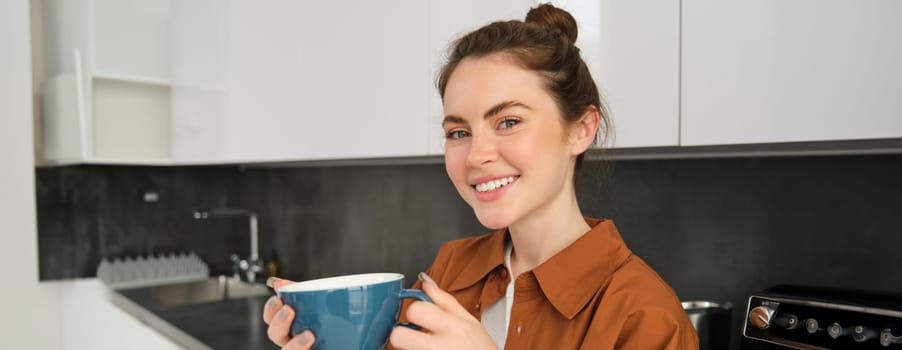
(482, 150)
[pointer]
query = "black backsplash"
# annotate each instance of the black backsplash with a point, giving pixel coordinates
(715, 229)
(320, 221)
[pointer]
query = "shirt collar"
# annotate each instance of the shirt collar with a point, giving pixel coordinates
(486, 258)
(569, 278)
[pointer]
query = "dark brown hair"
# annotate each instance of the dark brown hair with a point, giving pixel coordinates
(545, 43)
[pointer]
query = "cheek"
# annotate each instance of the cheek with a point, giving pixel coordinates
(542, 153)
(455, 163)
(530, 147)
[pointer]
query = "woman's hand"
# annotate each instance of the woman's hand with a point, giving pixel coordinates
(279, 318)
(446, 324)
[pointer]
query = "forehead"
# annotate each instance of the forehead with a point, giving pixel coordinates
(477, 84)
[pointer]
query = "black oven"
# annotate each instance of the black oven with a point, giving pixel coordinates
(824, 318)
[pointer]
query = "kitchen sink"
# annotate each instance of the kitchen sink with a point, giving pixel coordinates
(209, 290)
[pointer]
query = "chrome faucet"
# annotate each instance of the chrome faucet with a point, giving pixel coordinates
(253, 264)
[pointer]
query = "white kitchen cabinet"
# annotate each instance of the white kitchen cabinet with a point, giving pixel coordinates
(205, 81)
(91, 321)
(286, 80)
(631, 48)
(787, 71)
(106, 94)
(187, 82)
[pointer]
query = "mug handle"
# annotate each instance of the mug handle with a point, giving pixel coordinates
(415, 294)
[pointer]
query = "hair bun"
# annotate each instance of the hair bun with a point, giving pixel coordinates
(550, 17)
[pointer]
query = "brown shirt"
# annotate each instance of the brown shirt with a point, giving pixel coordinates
(594, 294)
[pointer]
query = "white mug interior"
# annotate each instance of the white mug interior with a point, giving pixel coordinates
(341, 282)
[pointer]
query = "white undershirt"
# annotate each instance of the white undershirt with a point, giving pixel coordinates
(497, 317)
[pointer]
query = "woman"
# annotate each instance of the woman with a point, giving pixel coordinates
(520, 110)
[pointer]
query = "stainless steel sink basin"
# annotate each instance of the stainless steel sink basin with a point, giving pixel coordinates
(210, 290)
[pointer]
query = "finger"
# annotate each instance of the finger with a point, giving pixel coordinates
(271, 308)
(302, 341)
(279, 326)
(275, 283)
(429, 316)
(406, 338)
(441, 298)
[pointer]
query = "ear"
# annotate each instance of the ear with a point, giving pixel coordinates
(582, 131)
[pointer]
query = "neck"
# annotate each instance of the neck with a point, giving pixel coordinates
(546, 232)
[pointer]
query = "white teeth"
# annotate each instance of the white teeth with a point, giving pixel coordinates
(489, 186)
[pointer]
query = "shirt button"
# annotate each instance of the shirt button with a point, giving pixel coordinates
(503, 273)
(519, 328)
(477, 306)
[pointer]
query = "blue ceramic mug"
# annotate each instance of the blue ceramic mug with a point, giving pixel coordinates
(348, 312)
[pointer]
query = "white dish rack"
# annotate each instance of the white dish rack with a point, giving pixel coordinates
(152, 270)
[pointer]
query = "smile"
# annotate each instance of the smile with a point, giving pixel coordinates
(496, 184)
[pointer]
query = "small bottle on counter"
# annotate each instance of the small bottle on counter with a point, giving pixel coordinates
(273, 269)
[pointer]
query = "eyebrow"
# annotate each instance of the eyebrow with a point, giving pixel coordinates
(498, 108)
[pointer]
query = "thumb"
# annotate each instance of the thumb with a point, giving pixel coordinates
(275, 283)
(441, 298)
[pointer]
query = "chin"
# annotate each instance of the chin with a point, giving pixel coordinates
(493, 219)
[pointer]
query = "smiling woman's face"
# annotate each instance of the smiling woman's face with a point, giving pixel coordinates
(506, 149)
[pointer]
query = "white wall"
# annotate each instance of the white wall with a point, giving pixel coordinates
(31, 311)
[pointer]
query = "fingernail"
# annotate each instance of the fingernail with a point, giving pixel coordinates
(271, 303)
(270, 281)
(304, 337)
(425, 278)
(283, 312)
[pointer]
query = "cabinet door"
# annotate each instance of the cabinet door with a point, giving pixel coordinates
(131, 38)
(632, 49)
(326, 80)
(785, 71)
(200, 81)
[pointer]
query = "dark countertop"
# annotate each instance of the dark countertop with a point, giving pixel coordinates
(235, 324)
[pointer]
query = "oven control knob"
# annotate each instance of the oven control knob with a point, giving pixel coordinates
(862, 334)
(812, 326)
(761, 316)
(787, 321)
(887, 338)
(836, 331)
